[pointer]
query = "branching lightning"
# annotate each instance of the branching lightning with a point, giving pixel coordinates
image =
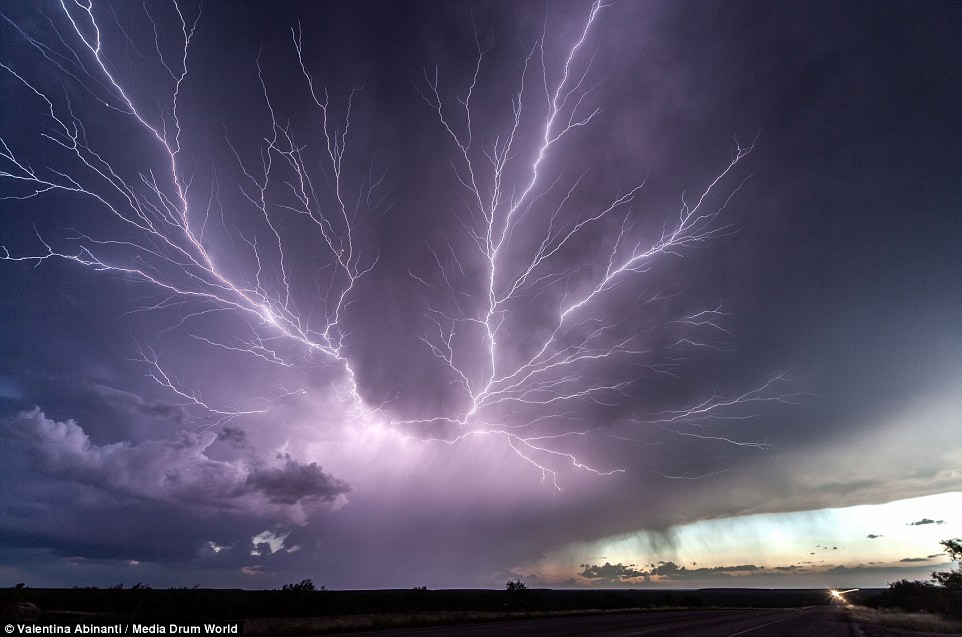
(506, 395)
(168, 248)
(521, 379)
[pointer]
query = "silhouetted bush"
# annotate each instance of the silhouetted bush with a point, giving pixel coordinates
(303, 585)
(913, 596)
(941, 595)
(518, 597)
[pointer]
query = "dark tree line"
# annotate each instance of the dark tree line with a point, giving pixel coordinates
(942, 594)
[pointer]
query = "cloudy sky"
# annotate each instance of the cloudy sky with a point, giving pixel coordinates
(446, 293)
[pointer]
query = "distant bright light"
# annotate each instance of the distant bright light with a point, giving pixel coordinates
(836, 594)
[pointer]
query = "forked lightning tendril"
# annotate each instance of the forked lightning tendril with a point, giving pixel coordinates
(525, 342)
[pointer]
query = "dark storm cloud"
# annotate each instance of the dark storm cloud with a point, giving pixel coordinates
(293, 481)
(840, 264)
(234, 436)
(176, 470)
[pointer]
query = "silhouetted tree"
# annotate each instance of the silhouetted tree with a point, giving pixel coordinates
(518, 597)
(941, 595)
(951, 581)
(303, 585)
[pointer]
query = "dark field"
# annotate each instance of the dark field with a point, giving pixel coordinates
(303, 611)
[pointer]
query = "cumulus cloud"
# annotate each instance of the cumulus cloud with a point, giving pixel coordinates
(214, 547)
(293, 481)
(268, 542)
(925, 521)
(176, 470)
(663, 571)
(612, 572)
(672, 571)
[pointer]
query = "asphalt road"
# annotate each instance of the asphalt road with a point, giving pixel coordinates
(821, 621)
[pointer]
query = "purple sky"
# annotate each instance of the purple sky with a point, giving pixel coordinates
(446, 293)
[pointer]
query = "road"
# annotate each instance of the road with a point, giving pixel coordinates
(821, 621)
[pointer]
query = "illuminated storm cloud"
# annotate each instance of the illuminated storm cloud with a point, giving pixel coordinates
(542, 313)
(466, 286)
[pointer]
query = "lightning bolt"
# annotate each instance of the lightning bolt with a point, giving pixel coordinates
(505, 395)
(522, 380)
(169, 250)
